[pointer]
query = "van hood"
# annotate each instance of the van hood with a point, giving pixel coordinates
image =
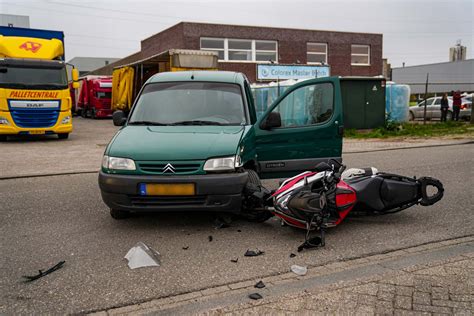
(172, 143)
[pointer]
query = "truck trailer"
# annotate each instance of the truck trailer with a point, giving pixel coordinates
(34, 92)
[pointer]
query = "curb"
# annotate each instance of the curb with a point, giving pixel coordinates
(333, 275)
(408, 147)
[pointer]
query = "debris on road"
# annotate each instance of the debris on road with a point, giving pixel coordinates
(239, 231)
(253, 253)
(299, 270)
(234, 260)
(186, 248)
(255, 296)
(292, 255)
(210, 238)
(222, 222)
(141, 255)
(259, 285)
(42, 273)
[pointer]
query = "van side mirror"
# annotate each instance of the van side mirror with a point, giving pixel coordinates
(271, 121)
(119, 118)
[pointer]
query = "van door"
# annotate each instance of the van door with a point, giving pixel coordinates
(310, 131)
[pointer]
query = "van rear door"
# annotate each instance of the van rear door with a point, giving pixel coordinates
(310, 132)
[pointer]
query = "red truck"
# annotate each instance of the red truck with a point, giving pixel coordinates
(95, 96)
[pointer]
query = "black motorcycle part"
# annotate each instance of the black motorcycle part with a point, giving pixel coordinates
(427, 200)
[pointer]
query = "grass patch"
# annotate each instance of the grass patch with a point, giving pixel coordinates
(413, 130)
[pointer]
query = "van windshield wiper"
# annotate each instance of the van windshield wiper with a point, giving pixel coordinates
(197, 122)
(147, 123)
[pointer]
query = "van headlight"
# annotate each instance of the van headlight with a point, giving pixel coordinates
(223, 163)
(115, 163)
(4, 121)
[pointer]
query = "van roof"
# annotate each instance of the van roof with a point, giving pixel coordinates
(199, 75)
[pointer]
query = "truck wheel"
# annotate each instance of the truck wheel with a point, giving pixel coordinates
(119, 214)
(254, 208)
(63, 136)
(3, 138)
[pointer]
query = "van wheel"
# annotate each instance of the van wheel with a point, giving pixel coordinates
(255, 195)
(119, 214)
(63, 136)
(3, 138)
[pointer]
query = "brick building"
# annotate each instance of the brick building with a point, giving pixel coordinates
(241, 48)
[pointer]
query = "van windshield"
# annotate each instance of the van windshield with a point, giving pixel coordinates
(190, 103)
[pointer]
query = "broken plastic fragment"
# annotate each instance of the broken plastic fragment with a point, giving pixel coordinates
(42, 273)
(255, 296)
(186, 248)
(299, 269)
(210, 238)
(292, 255)
(259, 285)
(141, 255)
(234, 260)
(253, 253)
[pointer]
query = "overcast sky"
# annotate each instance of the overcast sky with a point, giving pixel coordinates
(414, 31)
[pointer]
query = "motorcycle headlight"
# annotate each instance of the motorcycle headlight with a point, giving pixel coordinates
(116, 163)
(4, 121)
(223, 163)
(66, 120)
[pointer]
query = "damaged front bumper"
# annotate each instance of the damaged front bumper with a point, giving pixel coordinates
(213, 192)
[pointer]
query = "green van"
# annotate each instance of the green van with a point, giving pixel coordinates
(192, 141)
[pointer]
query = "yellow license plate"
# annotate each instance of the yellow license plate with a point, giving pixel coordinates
(170, 189)
(36, 132)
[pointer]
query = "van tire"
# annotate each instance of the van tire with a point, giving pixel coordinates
(63, 136)
(119, 214)
(3, 138)
(250, 214)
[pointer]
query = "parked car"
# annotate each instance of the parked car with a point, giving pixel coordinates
(433, 109)
(192, 141)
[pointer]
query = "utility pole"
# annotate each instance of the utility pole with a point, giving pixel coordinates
(426, 96)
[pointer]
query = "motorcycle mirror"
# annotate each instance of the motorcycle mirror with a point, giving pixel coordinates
(322, 166)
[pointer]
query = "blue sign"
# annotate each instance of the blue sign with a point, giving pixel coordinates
(283, 72)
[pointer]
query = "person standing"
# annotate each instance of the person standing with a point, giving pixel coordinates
(456, 105)
(444, 107)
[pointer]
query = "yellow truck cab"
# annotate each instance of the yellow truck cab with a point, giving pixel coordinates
(34, 91)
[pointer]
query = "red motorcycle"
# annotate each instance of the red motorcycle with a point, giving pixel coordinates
(321, 199)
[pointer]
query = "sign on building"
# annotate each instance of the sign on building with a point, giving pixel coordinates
(284, 72)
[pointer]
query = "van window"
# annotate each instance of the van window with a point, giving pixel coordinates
(307, 105)
(204, 103)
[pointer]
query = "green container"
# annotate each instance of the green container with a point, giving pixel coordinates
(363, 102)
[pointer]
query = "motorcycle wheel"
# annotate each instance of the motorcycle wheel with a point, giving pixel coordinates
(252, 215)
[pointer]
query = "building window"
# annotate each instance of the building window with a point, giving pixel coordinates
(317, 53)
(360, 55)
(214, 44)
(242, 50)
(239, 49)
(266, 51)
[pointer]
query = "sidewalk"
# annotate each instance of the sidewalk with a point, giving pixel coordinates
(437, 278)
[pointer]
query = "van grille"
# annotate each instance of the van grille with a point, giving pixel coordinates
(34, 117)
(161, 168)
(138, 200)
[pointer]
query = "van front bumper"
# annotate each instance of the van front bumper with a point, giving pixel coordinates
(214, 192)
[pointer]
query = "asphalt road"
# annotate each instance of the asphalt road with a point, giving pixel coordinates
(44, 220)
